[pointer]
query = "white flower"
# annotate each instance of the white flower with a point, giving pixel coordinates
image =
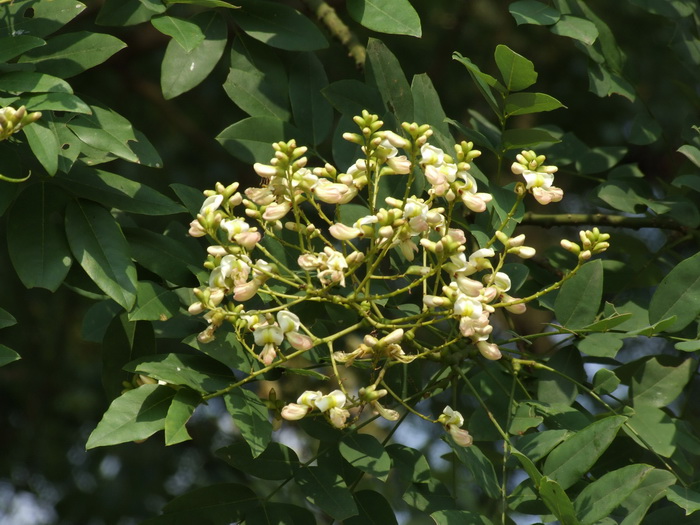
(288, 321)
(432, 155)
(211, 204)
(335, 399)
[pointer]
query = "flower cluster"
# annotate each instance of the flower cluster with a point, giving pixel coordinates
(12, 120)
(358, 264)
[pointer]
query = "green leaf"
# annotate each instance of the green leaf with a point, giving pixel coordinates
(517, 72)
(32, 82)
(250, 415)
(576, 28)
(98, 244)
(279, 514)
(557, 501)
(204, 3)
(601, 344)
(250, 140)
(54, 101)
(226, 348)
(327, 490)
(429, 497)
(653, 428)
(523, 419)
(479, 465)
(554, 388)
(198, 372)
(105, 130)
(278, 462)
(253, 92)
(601, 497)
(408, 466)
(678, 294)
(428, 110)
(608, 323)
(688, 346)
(124, 13)
(384, 71)
(181, 409)
(578, 301)
(652, 488)
(537, 445)
(526, 138)
(386, 16)
(183, 70)
(667, 8)
(6, 319)
(68, 54)
(11, 47)
(122, 342)
(573, 458)
(48, 16)
(459, 517)
(373, 509)
(115, 191)
(154, 303)
(366, 453)
(186, 33)
(533, 12)
(605, 381)
(220, 504)
(135, 415)
(525, 103)
(687, 499)
(604, 83)
(278, 25)
(44, 143)
(484, 82)
(691, 152)
(350, 97)
(38, 249)
(7, 355)
(644, 130)
(313, 115)
(659, 380)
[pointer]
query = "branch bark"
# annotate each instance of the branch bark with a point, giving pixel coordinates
(328, 17)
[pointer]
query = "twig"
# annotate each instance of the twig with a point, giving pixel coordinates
(327, 15)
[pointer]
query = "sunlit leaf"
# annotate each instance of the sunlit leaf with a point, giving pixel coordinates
(524, 103)
(517, 72)
(250, 139)
(47, 16)
(678, 294)
(313, 115)
(605, 381)
(135, 415)
(186, 33)
(7, 355)
(198, 372)
(386, 16)
(579, 298)
(660, 380)
(576, 28)
(533, 12)
(250, 416)
(557, 501)
(687, 499)
(44, 143)
(366, 453)
(181, 409)
(384, 71)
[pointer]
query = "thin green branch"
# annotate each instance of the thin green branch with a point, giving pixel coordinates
(600, 219)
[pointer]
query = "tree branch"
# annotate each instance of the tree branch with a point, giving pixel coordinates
(600, 219)
(327, 15)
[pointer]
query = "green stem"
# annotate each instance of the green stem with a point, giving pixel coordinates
(600, 219)
(327, 15)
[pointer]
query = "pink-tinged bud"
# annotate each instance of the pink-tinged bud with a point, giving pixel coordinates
(294, 412)
(243, 292)
(489, 350)
(460, 436)
(396, 140)
(248, 239)
(299, 341)
(196, 229)
(585, 255)
(469, 286)
(275, 212)
(490, 293)
(216, 296)
(399, 165)
(308, 262)
(355, 257)
(344, 233)
(330, 192)
(268, 354)
(338, 417)
(217, 251)
(265, 170)
(435, 301)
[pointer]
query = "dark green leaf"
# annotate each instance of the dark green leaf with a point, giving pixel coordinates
(484, 82)
(428, 110)
(386, 16)
(479, 465)
(517, 72)
(204, 3)
(6, 319)
(154, 303)
(526, 138)
(250, 140)
(653, 428)
(576, 28)
(366, 453)
(98, 244)
(313, 114)
(195, 371)
(373, 508)
(408, 466)
(250, 415)
(691, 152)
(278, 462)
(11, 47)
(183, 70)
(533, 12)
(181, 409)
(48, 16)
(601, 344)
(644, 130)
(604, 83)
(97, 319)
(38, 249)
(652, 488)
(7, 355)
(429, 497)
(524, 103)
(678, 294)
(220, 504)
(556, 388)
(660, 380)
(537, 445)
(279, 514)
(579, 298)
(687, 499)
(115, 191)
(122, 342)
(524, 419)
(135, 415)
(668, 8)
(384, 71)
(278, 25)
(557, 501)
(459, 517)
(105, 130)
(327, 490)
(44, 143)
(124, 13)
(605, 381)
(350, 97)
(226, 348)
(573, 458)
(250, 92)
(602, 496)
(32, 82)
(55, 101)
(186, 33)
(68, 54)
